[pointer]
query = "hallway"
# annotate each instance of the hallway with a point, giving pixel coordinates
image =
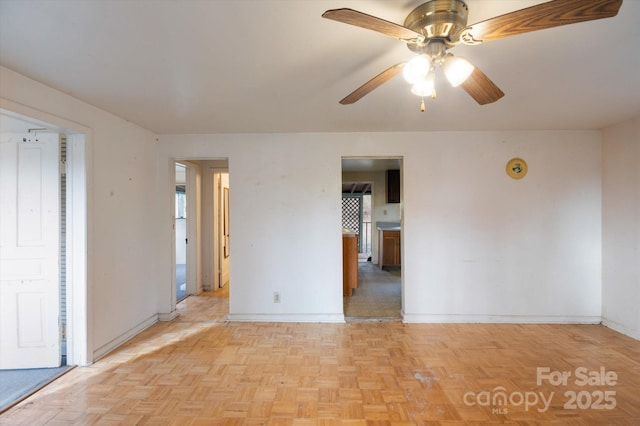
(378, 295)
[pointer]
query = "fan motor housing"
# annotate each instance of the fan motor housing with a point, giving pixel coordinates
(443, 20)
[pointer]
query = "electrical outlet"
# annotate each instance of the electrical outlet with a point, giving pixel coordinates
(276, 297)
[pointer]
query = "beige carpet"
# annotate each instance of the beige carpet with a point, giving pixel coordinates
(377, 296)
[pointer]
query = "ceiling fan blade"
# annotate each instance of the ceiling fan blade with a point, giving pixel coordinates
(481, 88)
(359, 19)
(539, 17)
(376, 81)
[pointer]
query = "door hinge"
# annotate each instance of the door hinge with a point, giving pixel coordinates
(63, 331)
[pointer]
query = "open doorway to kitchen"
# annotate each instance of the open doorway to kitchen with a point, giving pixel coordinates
(372, 228)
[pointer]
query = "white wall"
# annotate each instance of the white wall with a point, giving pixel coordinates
(280, 219)
(482, 246)
(12, 125)
(125, 265)
(621, 227)
(477, 245)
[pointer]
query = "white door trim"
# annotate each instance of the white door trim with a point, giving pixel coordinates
(194, 277)
(79, 340)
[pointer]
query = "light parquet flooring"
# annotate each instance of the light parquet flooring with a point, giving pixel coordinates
(201, 370)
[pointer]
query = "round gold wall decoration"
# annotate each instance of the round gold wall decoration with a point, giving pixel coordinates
(517, 168)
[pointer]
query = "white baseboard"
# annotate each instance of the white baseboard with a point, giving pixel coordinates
(105, 349)
(634, 334)
(168, 316)
(332, 318)
(500, 319)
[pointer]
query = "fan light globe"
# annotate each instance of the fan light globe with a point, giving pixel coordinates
(457, 70)
(416, 69)
(423, 87)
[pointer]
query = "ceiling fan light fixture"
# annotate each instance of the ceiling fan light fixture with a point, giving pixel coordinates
(425, 86)
(437, 25)
(456, 69)
(416, 69)
(421, 89)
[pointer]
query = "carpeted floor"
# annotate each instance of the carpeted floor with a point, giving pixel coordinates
(16, 385)
(378, 295)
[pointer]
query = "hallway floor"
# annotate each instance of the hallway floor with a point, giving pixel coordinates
(377, 296)
(200, 369)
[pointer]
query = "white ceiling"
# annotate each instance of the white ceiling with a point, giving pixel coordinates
(244, 66)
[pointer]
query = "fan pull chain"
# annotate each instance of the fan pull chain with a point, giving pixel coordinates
(422, 105)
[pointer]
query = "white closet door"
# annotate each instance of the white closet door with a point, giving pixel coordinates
(29, 251)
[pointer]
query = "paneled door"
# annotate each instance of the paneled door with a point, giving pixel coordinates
(29, 251)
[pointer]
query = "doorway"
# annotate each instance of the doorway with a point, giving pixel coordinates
(45, 177)
(186, 229)
(180, 227)
(369, 212)
(201, 188)
(221, 231)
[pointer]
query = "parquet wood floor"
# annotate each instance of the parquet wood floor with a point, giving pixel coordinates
(202, 370)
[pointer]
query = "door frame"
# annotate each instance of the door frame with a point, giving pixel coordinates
(192, 188)
(203, 232)
(78, 296)
(369, 167)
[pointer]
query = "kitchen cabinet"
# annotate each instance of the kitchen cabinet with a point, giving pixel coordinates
(393, 186)
(349, 262)
(389, 249)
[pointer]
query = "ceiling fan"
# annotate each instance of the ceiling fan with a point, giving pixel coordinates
(436, 26)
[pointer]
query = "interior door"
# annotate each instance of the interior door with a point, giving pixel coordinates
(29, 251)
